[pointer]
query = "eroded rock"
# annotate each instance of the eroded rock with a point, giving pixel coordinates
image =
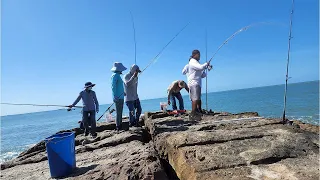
(112, 155)
(235, 146)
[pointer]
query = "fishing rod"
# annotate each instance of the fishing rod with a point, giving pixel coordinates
(206, 70)
(231, 37)
(134, 38)
(152, 61)
(156, 57)
(16, 104)
(288, 58)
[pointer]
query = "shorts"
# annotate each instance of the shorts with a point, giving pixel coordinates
(195, 93)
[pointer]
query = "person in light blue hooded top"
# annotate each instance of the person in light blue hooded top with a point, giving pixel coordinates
(118, 91)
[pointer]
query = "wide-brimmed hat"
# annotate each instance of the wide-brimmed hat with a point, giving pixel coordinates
(88, 84)
(117, 66)
(135, 68)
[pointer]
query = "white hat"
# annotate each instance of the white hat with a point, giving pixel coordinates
(117, 66)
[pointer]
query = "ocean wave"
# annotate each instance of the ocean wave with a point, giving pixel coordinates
(6, 156)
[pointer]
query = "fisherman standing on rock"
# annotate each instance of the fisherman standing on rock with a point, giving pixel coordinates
(118, 91)
(195, 72)
(132, 98)
(90, 108)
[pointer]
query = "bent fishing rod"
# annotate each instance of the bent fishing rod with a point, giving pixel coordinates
(16, 104)
(232, 36)
(134, 38)
(152, 61)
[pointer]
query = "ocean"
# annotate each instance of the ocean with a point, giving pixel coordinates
(19, 132)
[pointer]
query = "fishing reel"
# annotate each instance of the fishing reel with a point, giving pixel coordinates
(209, 67)
(111, 111)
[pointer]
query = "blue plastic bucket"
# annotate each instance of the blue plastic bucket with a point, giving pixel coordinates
(61, 154)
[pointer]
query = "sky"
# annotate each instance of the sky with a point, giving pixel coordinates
(49, 49)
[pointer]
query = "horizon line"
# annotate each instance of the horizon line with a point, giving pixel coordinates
(165, 97)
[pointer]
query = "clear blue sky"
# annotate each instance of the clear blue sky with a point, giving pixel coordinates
(51, 48)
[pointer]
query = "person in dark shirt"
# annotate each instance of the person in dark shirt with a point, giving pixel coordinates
(90, 107)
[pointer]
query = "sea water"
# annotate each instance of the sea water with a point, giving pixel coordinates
(20, 132)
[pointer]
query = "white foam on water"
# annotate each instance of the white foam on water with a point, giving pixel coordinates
(13, 154)
(8, 156)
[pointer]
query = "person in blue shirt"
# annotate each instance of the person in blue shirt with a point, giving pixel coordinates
(90, 107)
(118, 91)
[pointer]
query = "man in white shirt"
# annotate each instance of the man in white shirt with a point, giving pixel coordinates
(196, 72)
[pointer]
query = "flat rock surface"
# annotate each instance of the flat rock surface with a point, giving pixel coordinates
(112, 155)
(234, 146)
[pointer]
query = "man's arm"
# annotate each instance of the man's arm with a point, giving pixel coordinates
(129, 80)
(185, 69)
(198, 66)
(114, 87)
(96, 102)
(186, 87)
(169, 94)
(76, 101)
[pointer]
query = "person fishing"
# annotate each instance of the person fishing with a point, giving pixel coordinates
(196, 72)
(174, 92)
(90, 107)
(118, 91)
(185, 71)
(132, 98)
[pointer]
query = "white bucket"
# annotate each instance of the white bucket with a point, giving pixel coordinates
(109, 118)
(163, 106)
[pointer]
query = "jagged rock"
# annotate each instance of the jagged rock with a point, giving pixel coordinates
(220, 146)
(234, 146)
(112, 155)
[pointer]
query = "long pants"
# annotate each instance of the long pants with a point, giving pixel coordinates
(89, 118)
(173, 101)
(134, 116)
(119, 109)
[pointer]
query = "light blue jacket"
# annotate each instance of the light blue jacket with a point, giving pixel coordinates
(117, 86)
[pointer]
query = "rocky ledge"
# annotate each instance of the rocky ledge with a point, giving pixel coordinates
(221, 146)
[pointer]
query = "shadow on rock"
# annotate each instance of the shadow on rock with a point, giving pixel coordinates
(81, 170)
(176, 122)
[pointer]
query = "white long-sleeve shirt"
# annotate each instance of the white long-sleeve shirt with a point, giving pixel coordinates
(195, 72)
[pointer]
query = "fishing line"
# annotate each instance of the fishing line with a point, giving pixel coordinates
(151, 62)
(134, 38)
(16, 104)
(206, 70)
(236, 33)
